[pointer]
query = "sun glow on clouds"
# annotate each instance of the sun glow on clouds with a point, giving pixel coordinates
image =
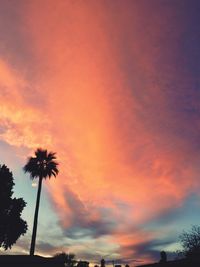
(18, 120)
(108, 112)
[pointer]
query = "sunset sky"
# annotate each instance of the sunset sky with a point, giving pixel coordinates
(113, 87)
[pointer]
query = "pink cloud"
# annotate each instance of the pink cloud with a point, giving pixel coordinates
(108, 111)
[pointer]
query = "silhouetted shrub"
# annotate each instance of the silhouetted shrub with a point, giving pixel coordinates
(163, 256)
(11, 224)
(68, 259)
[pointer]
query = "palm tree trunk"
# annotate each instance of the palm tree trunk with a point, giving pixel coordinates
(32, 249)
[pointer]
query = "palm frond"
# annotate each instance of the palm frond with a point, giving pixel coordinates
(42, 165)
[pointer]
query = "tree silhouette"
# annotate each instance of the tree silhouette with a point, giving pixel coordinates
(11, 224)
(190, 241)
(67, 259)
(163, 256)
(41, 166)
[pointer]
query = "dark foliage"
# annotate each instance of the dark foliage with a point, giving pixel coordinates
(163, 256)
(83, 264)
(191, 242)
(68, 259)
(42, 165)
(11, 224)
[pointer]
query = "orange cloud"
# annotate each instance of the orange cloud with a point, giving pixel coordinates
(106, 111)
(19, 121)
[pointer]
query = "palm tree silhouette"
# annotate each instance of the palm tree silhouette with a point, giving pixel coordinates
(41, 166)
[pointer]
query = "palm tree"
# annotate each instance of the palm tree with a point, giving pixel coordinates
(41, 166)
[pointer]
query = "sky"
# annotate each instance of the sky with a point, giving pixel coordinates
(113, 87)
